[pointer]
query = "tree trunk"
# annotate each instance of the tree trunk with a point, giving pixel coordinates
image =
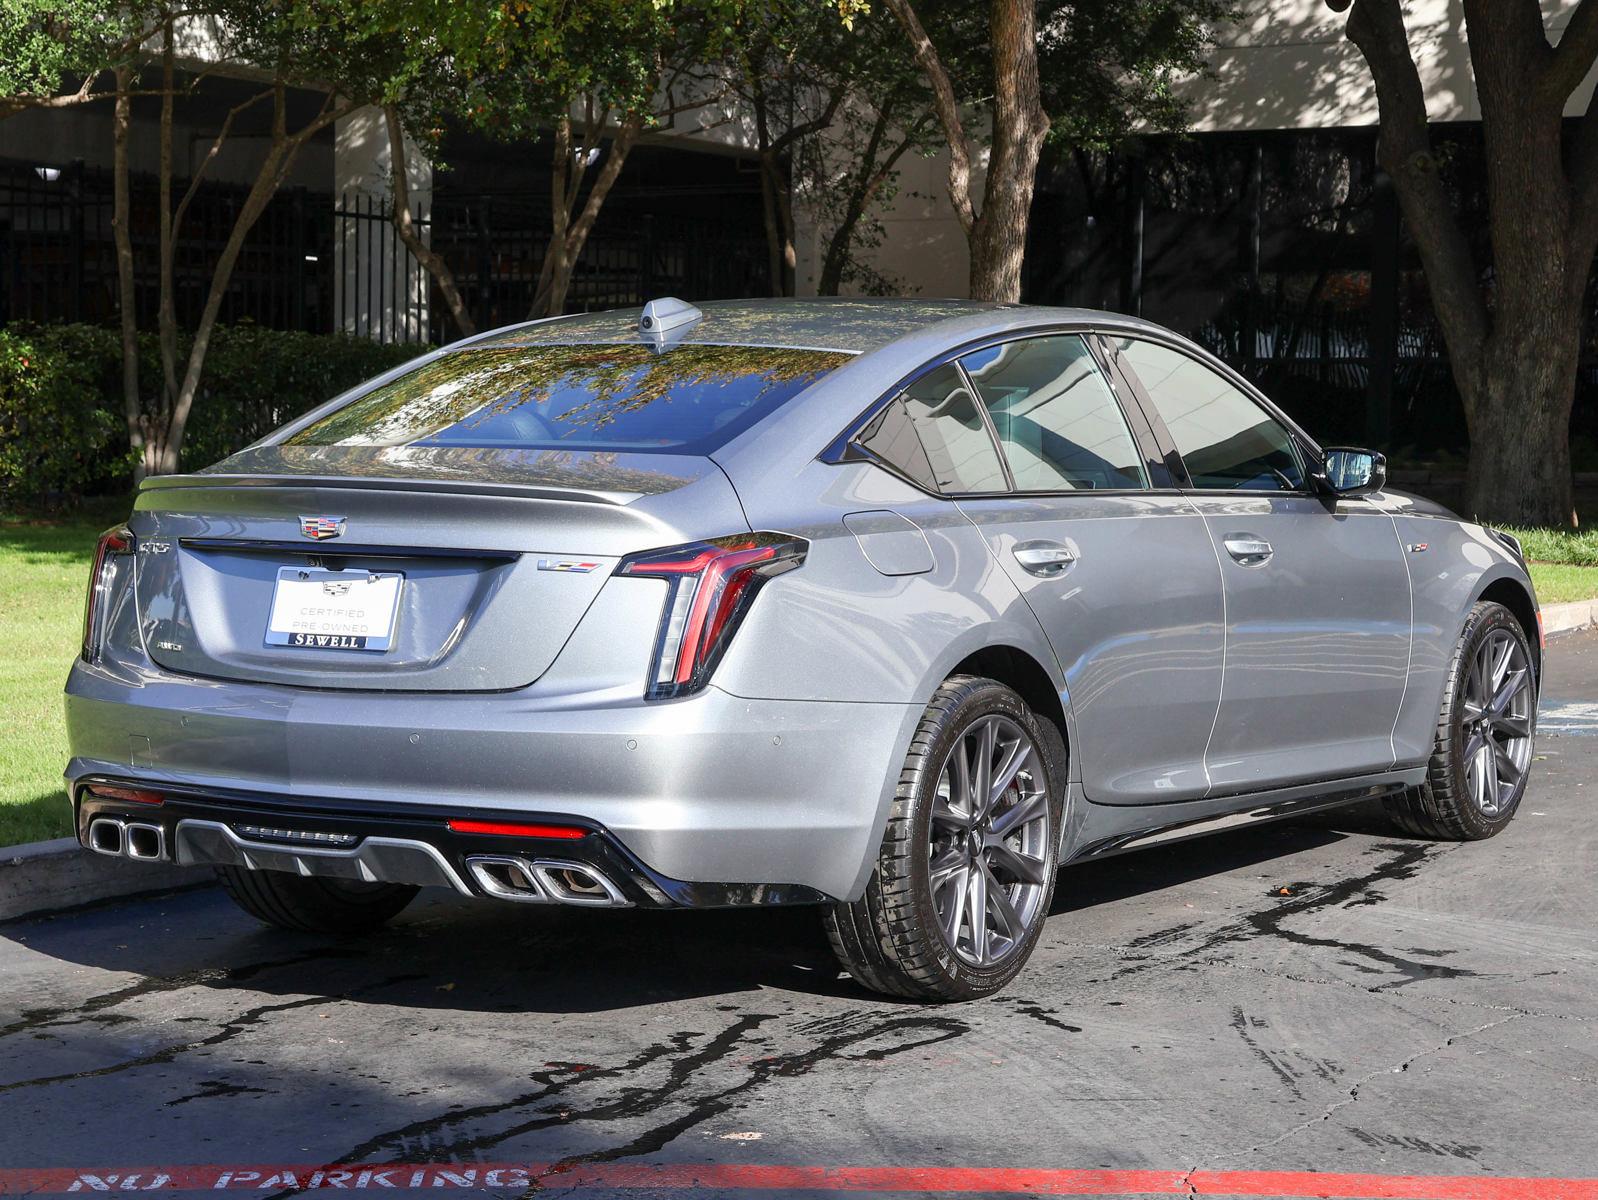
(996, 236)
(1519, 470)
(862, 192)
(166, 442)
(166, 314)
(1514, 360)
(998, 241)
(569, 236)
(132, 409)
(432, 261)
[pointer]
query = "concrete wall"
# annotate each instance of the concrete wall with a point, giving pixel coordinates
(384, 298)
(1286, 64)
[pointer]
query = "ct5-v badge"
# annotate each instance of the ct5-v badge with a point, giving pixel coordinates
(566, 564)
(321, 528)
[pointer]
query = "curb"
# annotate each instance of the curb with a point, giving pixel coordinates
(1567, 618)
(45, 877)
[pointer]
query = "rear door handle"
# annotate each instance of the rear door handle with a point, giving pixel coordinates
(1247, 550)
(1044, 558)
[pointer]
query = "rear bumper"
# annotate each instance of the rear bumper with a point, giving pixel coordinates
(712, 789)
(330, 839)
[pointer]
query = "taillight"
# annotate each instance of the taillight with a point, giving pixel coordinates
(711, 586)
(516, 829)
(114, 545)
(130, 795)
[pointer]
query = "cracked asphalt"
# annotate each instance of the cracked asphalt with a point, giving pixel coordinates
(1323, 995)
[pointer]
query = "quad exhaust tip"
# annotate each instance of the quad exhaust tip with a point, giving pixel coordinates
(544, 881)
(127, 839)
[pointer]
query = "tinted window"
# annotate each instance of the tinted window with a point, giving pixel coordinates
(592, 397)
(1226, 440)
(1057, 420)
(960, 452)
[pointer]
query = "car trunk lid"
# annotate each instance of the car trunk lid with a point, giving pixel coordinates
(486, 559)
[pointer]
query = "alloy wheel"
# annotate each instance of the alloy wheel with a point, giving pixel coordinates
(1499, 714)
(989, 849)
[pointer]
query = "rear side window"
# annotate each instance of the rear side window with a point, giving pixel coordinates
(934, 433)
(1056, 418)
(1226, 440)
(688, 400)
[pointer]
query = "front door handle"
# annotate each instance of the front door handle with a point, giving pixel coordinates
(1250, 551)
(1044, 558)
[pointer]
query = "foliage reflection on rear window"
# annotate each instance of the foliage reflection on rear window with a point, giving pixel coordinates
(687, 400)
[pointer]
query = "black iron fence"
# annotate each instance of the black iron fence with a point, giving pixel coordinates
(58, 254)
(494, 245)
(324, 263)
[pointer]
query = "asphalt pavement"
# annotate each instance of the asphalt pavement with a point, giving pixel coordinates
(1219, 1017)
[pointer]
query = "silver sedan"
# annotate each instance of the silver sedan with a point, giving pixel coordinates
(891, 608)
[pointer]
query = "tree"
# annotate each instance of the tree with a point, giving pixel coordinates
(597, 75)
(282, 52)
(55, 53)
(1513, 324)
(832, 108)
(1080, 68)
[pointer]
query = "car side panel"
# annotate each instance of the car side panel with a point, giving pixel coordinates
(841, 629)
(1460, 561)
(1137, 623)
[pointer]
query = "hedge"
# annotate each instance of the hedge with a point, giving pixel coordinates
(62, 432)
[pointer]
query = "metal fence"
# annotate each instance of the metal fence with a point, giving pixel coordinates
(494, 245)
(324, 263)
(58, 254)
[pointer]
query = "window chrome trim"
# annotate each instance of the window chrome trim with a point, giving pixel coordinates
(844, 448)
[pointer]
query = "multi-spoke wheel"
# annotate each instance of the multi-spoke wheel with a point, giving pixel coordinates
(966, 869)
(988, 856)
(1482, 754)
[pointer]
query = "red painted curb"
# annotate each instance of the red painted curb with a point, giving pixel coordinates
(1293, 1185)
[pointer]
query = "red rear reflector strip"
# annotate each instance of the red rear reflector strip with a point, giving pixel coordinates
(134, 795)
(514, 829)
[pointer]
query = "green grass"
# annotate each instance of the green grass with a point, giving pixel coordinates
(1563, 562)
(1572, 547)
(44, 569)
(1558, 583)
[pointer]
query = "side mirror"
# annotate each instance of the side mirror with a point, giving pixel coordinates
(1352, 472)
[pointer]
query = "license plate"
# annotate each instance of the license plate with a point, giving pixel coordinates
(317, 609)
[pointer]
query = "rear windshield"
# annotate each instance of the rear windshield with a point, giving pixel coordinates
(688, 400)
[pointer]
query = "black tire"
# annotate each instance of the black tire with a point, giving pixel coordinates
(311, 905)
(1446, 806)
(890, 940)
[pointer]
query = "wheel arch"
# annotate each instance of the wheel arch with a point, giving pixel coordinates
(1019, 670)
(1517, 598)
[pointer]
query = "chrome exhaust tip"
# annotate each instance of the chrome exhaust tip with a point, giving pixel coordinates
(544, 881)
(507, 878)
(105, 836)
(147, 843)
(578, 883)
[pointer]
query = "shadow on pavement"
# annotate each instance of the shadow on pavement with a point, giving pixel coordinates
(449, 953)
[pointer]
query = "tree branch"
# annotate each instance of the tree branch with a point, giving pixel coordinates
(216, 148)
(1376, 27)
(947, 106)
(1573, 57)
(405, 226)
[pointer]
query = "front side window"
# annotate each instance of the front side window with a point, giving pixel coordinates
(1226, 440)
(1057, 420)
(934, 433)
(689, 400)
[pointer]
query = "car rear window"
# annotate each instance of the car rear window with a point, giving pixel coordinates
(687, 400)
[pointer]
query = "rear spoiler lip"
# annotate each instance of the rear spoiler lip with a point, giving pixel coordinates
(393, 483)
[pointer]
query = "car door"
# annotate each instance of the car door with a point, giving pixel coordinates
(1317, 590)
(1115, 563)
